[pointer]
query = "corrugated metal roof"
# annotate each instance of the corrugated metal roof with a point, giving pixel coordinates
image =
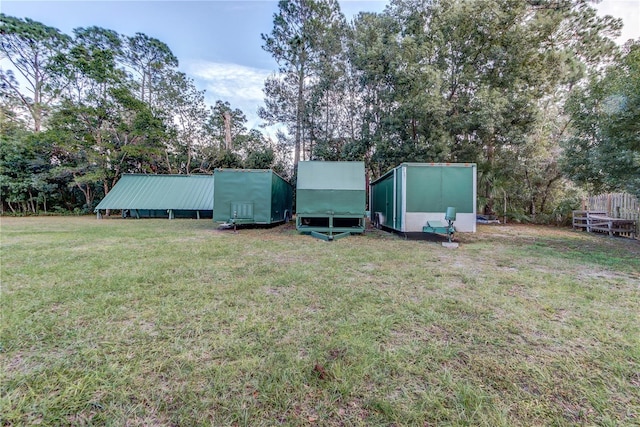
(178, 192)
(318, 175)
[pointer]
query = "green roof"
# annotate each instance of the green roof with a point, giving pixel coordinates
(177, 192)
(319, 175)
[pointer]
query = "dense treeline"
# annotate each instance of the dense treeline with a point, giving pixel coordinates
(535, 92)
(80, 110)
(482, 81)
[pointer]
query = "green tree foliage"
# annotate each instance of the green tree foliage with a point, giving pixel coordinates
(481, 81)
(304, 41)
(149, 59)
(402, 103)
(32, 49)
(603, 152)
(226, 122)
(462, 81)
(23, 170)
(115, 104)
(258, 152)
(185, 115)
(230, 144)
(100, 126)
(97, 143)
(469, 81)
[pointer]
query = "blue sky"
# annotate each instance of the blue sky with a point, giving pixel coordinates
(218, 43)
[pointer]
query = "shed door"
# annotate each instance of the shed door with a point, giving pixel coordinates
(241, 210)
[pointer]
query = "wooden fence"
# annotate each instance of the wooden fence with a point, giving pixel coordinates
(617, 205)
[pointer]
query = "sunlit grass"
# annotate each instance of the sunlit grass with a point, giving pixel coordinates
(158, 322)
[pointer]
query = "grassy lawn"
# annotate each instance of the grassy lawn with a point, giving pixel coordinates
(158, 322)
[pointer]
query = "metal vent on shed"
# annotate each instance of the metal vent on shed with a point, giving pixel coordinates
(241, 210)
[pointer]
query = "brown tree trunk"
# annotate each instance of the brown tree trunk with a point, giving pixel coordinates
(300, 104)
(488, 190)
(30, 203)
(166, 156)
(37, 103)
(86, 191)
(227, 130)
(105, 186)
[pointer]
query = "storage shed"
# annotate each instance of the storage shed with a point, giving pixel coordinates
(411, 194)
(330, 198)
(251, 196)
(161, 196)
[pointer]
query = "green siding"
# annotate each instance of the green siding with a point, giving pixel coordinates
(160, 192)
(317, 175)
(382, 198)
(399, 198)
(433, 189)
(254, 196)
(337, 187)
(334, 202)
(424, 188)
(281, 198)
(330, 197)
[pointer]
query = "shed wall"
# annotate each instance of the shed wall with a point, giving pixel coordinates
(330, 197)
(423, 192)
(434, 188)
(251, 196)
(382, 195)
(281, 199)
(337, 187)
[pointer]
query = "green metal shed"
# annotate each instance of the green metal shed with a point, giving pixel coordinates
(251, 196)
(161, 196)
(330, 198)
(411, 194)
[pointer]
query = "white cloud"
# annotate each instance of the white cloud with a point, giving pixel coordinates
(239, 85)
(628, 11)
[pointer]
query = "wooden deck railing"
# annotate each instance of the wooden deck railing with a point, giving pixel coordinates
(617, 206)
(599, 222)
